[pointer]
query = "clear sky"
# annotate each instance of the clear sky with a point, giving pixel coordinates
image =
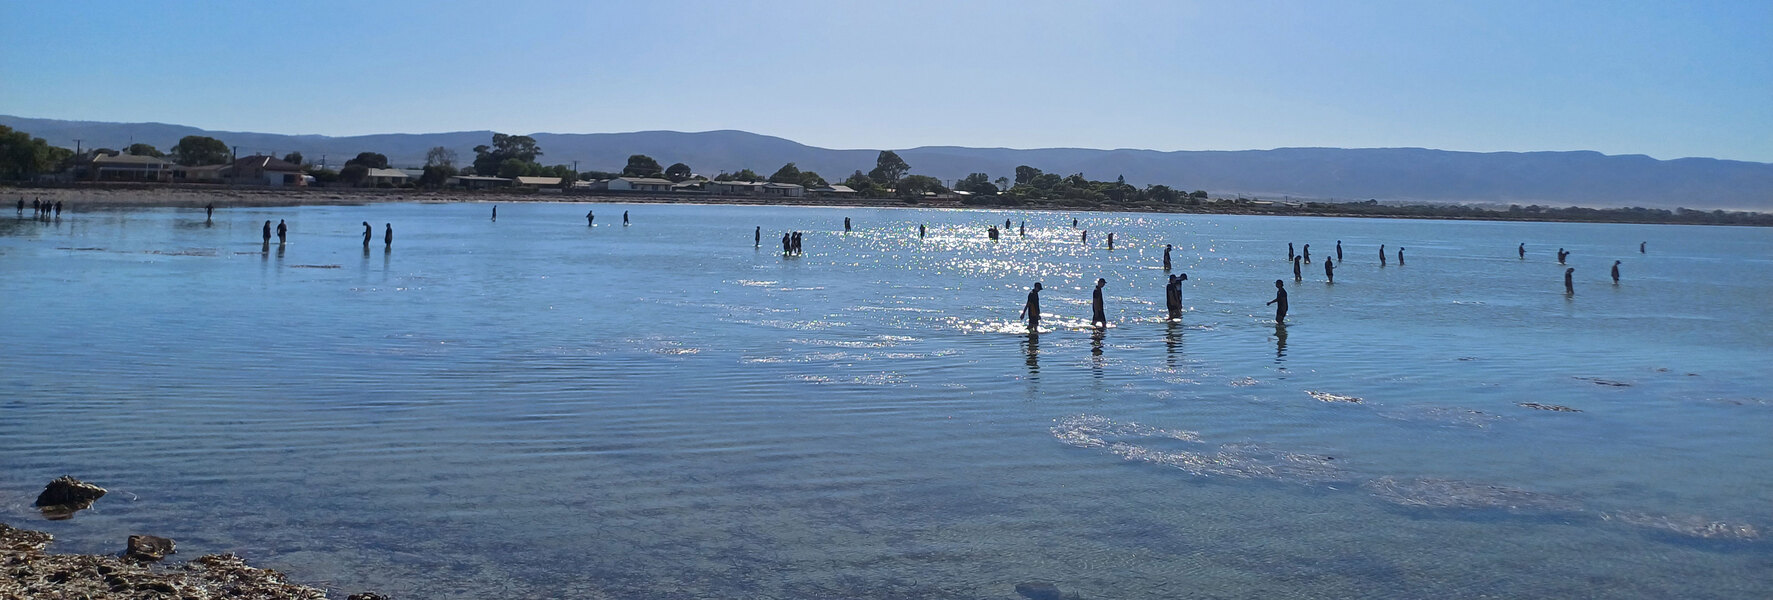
(1666, 79)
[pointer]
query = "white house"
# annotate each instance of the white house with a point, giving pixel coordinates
(390, 177)
(638, 184)
(785, 190)
(735, 188)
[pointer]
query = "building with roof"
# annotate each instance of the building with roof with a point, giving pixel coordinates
(125, 167)
(260, 169)
(538, 183)
(843, 191)
(473, 182)
(638, 184)
(784, 190)
(735, 188)
(385, 177)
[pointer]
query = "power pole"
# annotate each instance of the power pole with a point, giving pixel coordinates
(76, 146)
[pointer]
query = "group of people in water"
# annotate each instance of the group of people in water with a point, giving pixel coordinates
(40, 208)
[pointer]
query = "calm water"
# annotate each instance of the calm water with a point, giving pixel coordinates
(534, 408)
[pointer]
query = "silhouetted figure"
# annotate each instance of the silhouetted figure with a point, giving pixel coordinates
(1562, 255)
(1006, 223)
(1166, 257)
(1086, 237)
(1279, 301)
(590, 218)
(368, 232)
(1641, 247)
(208, 211)
(991, 232)
(1400, 256)
(36, 206)
(1569, 285)
(282, 232)
(1522, 250)
(787, 245)
(388, 236)
(1022, 229)
(1074, 222)
(1616, 272)
(58, 208)
(1338, 251)
(757, 237)
(1098, 317)
(1382, 255)
(1296, 275)
(1306, 252)
(624, 218)
(1290, 253)
(1330, 270)
(1173, 295)
(796, 242)
(21, 205)
(846, 224)
(267, 231)
(1031, 309)
(495, 212)
(1110, 240)
(920, 231)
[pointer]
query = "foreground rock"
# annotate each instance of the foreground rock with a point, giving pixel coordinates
(148, 548)
(26, 571)
(66, 495)
(1039, 590)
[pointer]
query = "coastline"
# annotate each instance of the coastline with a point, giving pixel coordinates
(195, 197)
(32, 572)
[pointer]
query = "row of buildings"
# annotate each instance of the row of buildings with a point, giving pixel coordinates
(270, 171)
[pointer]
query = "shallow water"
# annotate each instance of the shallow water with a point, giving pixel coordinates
(534, 408)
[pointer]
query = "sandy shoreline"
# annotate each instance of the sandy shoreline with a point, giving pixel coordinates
(91, 198)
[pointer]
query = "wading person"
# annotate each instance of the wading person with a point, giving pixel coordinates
(1569, 285)
(368, 232)
(1616, 272)
(388, 236)
(1031, 309)
(282, 232)
(267, 231)
(1171, 301)
(757, 237)
(208, 211)
(1166, 257)
(590, 218)
(1279, 302)
(1290, 253)
(1400, 256)
(1382, 255)
(1522, 250)
(624, 218)
(1330, 270)
(1098, 317)
(1338, 251)
(1110, 240)
(1296, 275)
(846, 224)
(1306, 252)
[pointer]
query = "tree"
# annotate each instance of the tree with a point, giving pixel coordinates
(976, 183)
(23, 156)
(369, 159)
(1200, 194)
(353, 173)
(436, 175)
(440, 156)
(1025, 175)
(488, 159)
(677, 172)
(641, 165)
(912, 186)
(810, 179)
(787, 174)
(1003, 183)
(888, 168)
(741, 175)
(294, 158)
(513, 167)
(193, 150)
(141, 149)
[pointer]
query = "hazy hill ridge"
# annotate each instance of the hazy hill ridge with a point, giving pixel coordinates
(1548, 178)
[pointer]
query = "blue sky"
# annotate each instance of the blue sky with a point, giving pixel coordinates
(1668, 80)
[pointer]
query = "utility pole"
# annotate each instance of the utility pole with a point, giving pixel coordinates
(76, 146)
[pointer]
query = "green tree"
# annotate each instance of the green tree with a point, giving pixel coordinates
(489, 159)
(324, 175)
(193, 150)
(23, 156)
(141, 149)
(294, 158)
(976, 183)
(1198, 194)
(677, 172)
(353, 174)
(439, 156)
(888, 168)
(1003, 183)
(436, 175)
(810, 179)
(741, 175)
(1025, 175)
(787, 174)
(641, 165)
(514, 167)
(372, 160)
(912, 186)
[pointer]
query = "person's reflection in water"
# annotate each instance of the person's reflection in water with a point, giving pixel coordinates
(1031, 350)
(1172, 342)
(1096, 361)
(1280, 343)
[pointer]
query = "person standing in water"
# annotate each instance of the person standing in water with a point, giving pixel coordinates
(1569, 285)
(1306, 252)
(624, 218)
(1110, 240)
(1170, 307)
(1074, 222)
(1338, 251)
(1031, 309)
(282, 232)
(1616, 272)
(590, 218)
(920, 231)
(1562, 255)
(209, 211)
(1290, 254)
(757, 237)
(1296, 275)
(1098, 317)
(1640, 244)
(787, 246)
(1279, 302)
(1522, 250)
(21, 206)
(1086, 237)
(846, 224)
(1400, 256)
(388, 236)
(1330, 270)
(1382, 255)
(495, 212)
(1021, 229)
(1166, 257)
(267, 231)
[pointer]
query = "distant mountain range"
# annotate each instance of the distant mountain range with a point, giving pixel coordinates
(1387, 174)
